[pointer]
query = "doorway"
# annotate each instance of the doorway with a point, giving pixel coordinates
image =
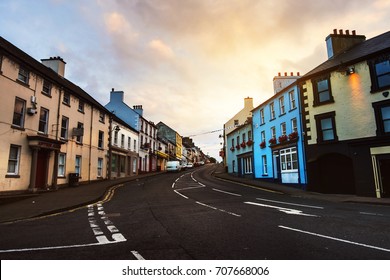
(42, 172)
(384, 169)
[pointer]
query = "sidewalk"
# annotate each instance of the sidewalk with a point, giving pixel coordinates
(30, 206)
(292, 191)
(21, 207)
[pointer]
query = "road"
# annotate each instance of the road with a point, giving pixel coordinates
(193, 215)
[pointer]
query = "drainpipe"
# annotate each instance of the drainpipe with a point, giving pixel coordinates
(56, 152)
(90, 146)
(109, 147)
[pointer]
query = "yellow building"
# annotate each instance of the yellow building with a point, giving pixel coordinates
(49, 127)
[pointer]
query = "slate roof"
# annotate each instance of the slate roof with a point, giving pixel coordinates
(362, 51)
(19, 56)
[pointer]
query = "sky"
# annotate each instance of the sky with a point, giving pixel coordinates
(189, 63)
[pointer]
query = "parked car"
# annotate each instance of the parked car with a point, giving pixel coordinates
(173, 166)
(190, 165)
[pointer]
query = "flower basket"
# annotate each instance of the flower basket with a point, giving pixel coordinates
(262, 145)
(293, 136)
(232, 149)
(283, 138)
(272, 141)
(243, 145)
(238, 146)
(249, 143)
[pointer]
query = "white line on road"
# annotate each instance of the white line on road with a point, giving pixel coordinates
(284, 210)
(372, 214)
(189, 188)
(336, 239)
(218, 209)
(180, 194)
(235, 194)
(294, 204)
(137, 255)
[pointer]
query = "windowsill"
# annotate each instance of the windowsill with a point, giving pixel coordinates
(12, 176)
(22, 83)
(80, 111)
(40, 133)
(282, 114)
(264, 175)
(66, 104)
(293, 109)
(46, 94)
(79, 143)
(376, 90)
(317, 104)
(18, 127)
(61, 177)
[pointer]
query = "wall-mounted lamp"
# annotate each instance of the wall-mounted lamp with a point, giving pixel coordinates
(116, 128)
(350, 70)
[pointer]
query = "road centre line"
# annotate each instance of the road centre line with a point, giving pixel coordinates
(189, 188)
(218, 209)
(180, 194)
(230, 193)
(294, 204)
(250, 186)
(336, 239)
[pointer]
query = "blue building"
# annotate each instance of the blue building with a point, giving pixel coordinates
(277, 131)
(239, 148)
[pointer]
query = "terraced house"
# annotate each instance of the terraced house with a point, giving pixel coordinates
(347, 116)
(49, 127)
(278, 150)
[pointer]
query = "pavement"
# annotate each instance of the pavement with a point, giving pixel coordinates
(27, 206)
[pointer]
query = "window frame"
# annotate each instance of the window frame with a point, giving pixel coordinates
(101, 139)
(272, 111)
(23, 77)
(21, 115)
(64, 130)
(79, 138)
(66, 99)
(61, 165)
(282, 106)
(317, 93)
(320, 134)
(15, 160)
(44, 122)
(292, 99)
(78, 165)
(373, 73)
(380, 127)
(46, 90)
(100, 167)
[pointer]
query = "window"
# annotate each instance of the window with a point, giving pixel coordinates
(101, 140)
(250, 135)
(272, 110)
(243, 137)
(247, 165)
(238, 140)
(382, 116)
(322, 91)
(46, 89)
(19, 112)
(122, 140)
(380, 74)
(100, 167)
(66, 99)
(64, 127)
(61, 165)
(233, 142)
(129, 143)
(281, 105)
(13, 160)
(79, 136)
(293, 104)
(262, 136)
(116, 138)
(236, 123)
(81, 106)
(23, 75)
(135, 145)
(273, 132)
(289, 160)
(43, 120)
(102, 116)
(78, 165)
(134, 165)
(326, 127)
(294, 125)
(283, 128)
(262, 120)
(264, 164)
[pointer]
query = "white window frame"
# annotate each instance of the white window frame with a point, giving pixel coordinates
(264, 164)
(61, 165)
(21, 114)
(281, 105)
(100, 167)
(78, 165)
(272, 110)
(64, 129)
(14, 161)
(45, 121)
(283, 128)
(23, 75)
(293, 103)
(287, 160)
(262, 119)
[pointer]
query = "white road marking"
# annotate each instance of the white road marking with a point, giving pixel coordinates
(235, 194)
(294, 204)
(189, 188)
(281, 209)
(137, 255)
(336, 239)
(372, 214)
(218, 209)
(180, 194)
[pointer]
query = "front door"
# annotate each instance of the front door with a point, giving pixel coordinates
(384, 167)
(41, 175)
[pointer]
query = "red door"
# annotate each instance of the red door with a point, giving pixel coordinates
(41, 176)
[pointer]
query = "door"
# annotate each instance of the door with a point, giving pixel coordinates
(41, 175)
(384, 168)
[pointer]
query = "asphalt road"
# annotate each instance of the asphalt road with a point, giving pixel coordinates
(193, 215)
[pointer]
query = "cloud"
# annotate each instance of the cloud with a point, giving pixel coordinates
(161, 49)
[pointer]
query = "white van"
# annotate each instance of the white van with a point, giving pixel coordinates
(173, 165)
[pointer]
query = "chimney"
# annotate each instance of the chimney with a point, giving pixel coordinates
(281, 82)
(138, 109)
(248, 103)
(337, 43)
(116, 96)
(57, 64)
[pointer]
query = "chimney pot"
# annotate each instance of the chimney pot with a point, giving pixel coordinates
(112, 89)
(285, 74)
(335, 31)
(354, 32)
(298, 74)
(347, 32)
(341, 32)
(279, 74)
(292, 74)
